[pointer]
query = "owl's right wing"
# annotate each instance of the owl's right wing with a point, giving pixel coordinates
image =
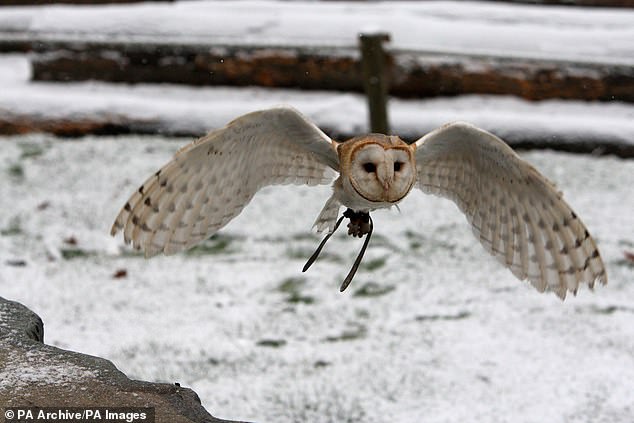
(514, 211)
(211, 180)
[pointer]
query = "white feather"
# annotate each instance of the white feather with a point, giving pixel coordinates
(515, 212)
(211, 180)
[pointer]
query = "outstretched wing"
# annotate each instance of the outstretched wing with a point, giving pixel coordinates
(209, 181)
(515, 212)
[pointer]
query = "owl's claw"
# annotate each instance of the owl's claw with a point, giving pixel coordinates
(360, 224)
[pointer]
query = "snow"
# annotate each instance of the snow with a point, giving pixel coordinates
(561, 33)
(457, 338)
(21, 370)
(39, 370)
(196, 110)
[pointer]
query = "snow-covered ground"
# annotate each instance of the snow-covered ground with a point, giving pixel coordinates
(561, 33)
(431, 329)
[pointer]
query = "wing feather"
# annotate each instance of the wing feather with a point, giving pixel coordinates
(516, 213)
(209, 181)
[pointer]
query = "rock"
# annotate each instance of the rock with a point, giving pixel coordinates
(35, 374)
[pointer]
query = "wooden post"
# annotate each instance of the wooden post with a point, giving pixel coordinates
(375, 79)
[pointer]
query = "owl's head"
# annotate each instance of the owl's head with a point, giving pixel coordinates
(380, 168)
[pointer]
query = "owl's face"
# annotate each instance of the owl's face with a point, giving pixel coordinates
(380, 168)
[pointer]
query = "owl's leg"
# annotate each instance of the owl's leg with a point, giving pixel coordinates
(328, 215)
(360, 224)
(312, 258)
(365, 227)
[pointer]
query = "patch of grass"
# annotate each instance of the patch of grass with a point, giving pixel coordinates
(272, 343)
(304, 236)
(610, 309)
(16, 171)
(302, 401)
(349, 334)
(409, 234)
(293, 287)
(298, 298)
(625, 263)
(131, 252)
(415, 240)
(362, 313)
(434, 317)
(30, 150)
(380, 240)
(605, 310)
(74, 253)
(626, 243)
(13, 228)
(304, 254)
(374, 264)
(217, 244)
(373, 289)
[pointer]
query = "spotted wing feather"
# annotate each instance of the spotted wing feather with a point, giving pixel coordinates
(514, 211)
(211, 180)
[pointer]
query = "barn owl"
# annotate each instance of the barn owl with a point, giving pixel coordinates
(516, 213)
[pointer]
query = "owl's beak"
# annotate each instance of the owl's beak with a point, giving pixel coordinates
(383, 173)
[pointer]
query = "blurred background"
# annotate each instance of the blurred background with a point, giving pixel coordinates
(97, 95)
(534, 74)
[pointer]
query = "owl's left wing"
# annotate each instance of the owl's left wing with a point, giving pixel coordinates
(211, 180)
(514, 211)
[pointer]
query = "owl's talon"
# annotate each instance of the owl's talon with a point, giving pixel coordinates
(359, 223)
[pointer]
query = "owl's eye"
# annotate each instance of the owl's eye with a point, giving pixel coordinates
(397, 166)
(369, 167)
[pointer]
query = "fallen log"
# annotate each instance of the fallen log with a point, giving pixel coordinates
(411, 74)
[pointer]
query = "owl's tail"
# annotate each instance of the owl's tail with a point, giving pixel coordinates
(328, 216)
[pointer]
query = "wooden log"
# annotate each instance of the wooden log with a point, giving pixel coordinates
(411, 74)
(112, 124)
(198, 65)
(427, 75)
